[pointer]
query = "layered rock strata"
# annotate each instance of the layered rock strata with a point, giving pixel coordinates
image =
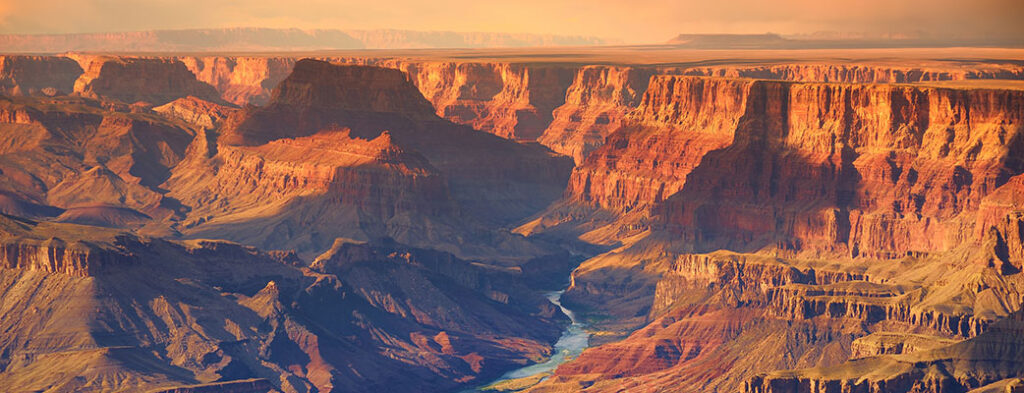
(205, 315)
(361, 145)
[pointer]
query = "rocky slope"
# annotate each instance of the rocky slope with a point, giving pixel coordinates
(73, 158)
(116, 312)
(856, 209)
(359, 145)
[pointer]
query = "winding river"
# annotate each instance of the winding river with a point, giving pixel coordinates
(572, 342)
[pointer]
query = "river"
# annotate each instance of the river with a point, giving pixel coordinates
(572, 342)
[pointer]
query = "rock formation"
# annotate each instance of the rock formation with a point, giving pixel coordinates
(37, 75)
(105, 164)
(153, 81)
(241, 80)
(358, 145)
(118, 312)
(855, 209)
(747, 225)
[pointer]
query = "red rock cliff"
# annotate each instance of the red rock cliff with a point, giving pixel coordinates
(35, 75)
(241, 80)
(865, 168)
(151, 80)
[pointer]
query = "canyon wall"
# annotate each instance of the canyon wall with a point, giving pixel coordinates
(359, 145)
(151, 80)
(828, 167)
(228, 317)
(846, 209)
(35, 75)
(241, 80)
(76, 259)
(569, 108)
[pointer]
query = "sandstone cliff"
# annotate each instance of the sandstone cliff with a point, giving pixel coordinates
(37, 75)
(241, 80)
(595, 105)
(151, 80)
(854, 209)
(878, 147)
(359, 145)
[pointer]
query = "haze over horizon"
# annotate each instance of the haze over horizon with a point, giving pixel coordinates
(641, 21)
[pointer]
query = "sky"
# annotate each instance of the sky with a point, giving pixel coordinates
(632, 21)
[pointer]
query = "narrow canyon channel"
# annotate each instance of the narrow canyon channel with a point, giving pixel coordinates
(572, 342)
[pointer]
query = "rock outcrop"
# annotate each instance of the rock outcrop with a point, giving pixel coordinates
(241, 80)
(360, 143)
(131, 313)
(852, 209)
(596, 103)
(56, 256)
(195, 111)
(72, 153)
(37, 75)
(989, 358)
(151, 80)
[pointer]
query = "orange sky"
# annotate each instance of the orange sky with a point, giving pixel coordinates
(634, 21)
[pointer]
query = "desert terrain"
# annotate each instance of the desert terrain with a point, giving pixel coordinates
(367, 220)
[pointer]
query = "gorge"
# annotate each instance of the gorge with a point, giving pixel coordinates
(778, 221)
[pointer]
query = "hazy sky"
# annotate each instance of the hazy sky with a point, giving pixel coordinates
(630, 21)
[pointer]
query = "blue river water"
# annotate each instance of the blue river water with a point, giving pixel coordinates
(572, 342)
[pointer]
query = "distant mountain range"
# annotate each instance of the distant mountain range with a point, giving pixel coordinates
(267, 39)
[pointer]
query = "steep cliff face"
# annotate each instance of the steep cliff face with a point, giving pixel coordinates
(596, 104)
(241, 80)
(358, 145)
(152, 80)
(904, 170)
(855, 209)
(511, 100)
(849, 161)
(76, 259)
(990, 358)
(643, 166)
(37, 75)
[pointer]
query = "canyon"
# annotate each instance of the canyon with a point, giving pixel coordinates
(352, 221)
